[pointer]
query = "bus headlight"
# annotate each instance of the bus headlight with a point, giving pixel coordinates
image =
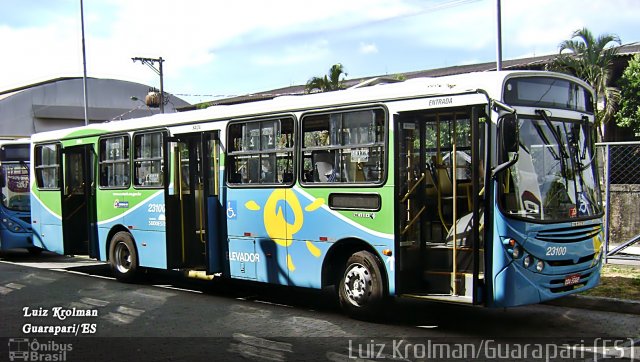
(527, 261)
(516, 252)
(513, 248)
(539, 266)
(12, 225)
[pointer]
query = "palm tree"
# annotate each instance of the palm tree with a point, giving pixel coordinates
(591, 59)
(327, 84)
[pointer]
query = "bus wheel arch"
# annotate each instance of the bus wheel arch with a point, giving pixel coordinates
(114, 230)
(123, 256)
(358, 275)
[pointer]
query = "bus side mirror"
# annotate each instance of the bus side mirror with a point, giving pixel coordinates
(510, 137)
(509, 133)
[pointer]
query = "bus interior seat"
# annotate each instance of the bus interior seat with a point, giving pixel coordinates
(287, 177)
(235, 178)
(322, 165)
(353, 171)
(253, 170)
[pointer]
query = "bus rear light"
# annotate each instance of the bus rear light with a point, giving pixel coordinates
(324, 238)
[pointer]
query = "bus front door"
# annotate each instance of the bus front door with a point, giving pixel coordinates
(79, 229)
(192, 202)
(439, 245)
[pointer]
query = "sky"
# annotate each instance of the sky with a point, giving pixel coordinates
(216, 49)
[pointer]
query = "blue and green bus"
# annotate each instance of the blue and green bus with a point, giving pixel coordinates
(15, 215)
(479, 189)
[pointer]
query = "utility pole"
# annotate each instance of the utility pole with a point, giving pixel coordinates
(84, 65)
(150, 62)
(499, 40)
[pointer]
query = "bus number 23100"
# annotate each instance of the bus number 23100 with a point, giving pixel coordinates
(155, 208)
(556, 250)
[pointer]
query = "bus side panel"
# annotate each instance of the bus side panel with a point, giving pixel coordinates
(151, 247)
(103, 241)
(286, 233)
(243, 258)
(142, 212)
(147, 215)
(46, 220)
(257, 248)
(320, 228)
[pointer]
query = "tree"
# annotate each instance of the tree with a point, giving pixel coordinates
(327, 84)
(591, 59)
(629, 113)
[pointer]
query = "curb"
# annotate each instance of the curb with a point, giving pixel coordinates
(597, 303)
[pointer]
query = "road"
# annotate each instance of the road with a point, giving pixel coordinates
(168, 317)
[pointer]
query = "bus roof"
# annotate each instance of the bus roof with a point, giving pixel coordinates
(491, 82)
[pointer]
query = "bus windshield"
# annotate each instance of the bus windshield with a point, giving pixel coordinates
(555, 178)
(15, 186)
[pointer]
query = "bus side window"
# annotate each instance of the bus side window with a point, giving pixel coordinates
(268, 157)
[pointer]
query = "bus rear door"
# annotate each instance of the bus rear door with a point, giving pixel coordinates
(192, 203)
(79, 229)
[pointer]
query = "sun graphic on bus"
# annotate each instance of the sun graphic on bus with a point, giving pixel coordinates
(276, 224)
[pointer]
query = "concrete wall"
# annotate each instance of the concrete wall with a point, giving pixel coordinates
(624, 213)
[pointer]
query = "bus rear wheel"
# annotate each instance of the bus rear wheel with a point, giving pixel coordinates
(361, 290)
(123, 257)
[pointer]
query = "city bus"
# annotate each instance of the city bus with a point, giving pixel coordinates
(478, 189)
(15, 216)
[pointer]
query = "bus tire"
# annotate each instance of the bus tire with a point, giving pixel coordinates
(123, 257)
(361, 290)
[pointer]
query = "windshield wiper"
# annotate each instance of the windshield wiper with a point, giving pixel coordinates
(554, 133)
(563, 153)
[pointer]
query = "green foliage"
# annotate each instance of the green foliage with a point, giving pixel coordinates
(628, 114)
(590, 58)
(329, 82)
(400, 77)
(204, 105)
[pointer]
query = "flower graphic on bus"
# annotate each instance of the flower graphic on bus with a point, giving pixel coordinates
(279, 229)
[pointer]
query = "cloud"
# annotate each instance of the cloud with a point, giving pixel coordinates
(368, 48)
(291, 55)
(203, 41)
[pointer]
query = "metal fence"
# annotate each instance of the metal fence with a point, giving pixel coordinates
(619, 164)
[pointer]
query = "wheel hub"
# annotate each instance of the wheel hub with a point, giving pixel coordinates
(123, 258)
(357, 284)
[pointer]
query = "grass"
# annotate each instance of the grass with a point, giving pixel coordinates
(618, 281)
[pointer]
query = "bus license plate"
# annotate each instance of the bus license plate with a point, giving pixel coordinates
(572, 279)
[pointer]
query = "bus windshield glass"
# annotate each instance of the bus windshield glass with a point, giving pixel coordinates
(555, 177)
(547, 92)
(15, 186)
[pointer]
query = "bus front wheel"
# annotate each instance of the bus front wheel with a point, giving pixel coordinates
(361, 290)
(123, 257)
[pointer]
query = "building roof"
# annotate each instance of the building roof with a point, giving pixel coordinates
(529, 63)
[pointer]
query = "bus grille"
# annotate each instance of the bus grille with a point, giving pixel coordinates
(26, 219)
(570, 235)
(567, 262)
